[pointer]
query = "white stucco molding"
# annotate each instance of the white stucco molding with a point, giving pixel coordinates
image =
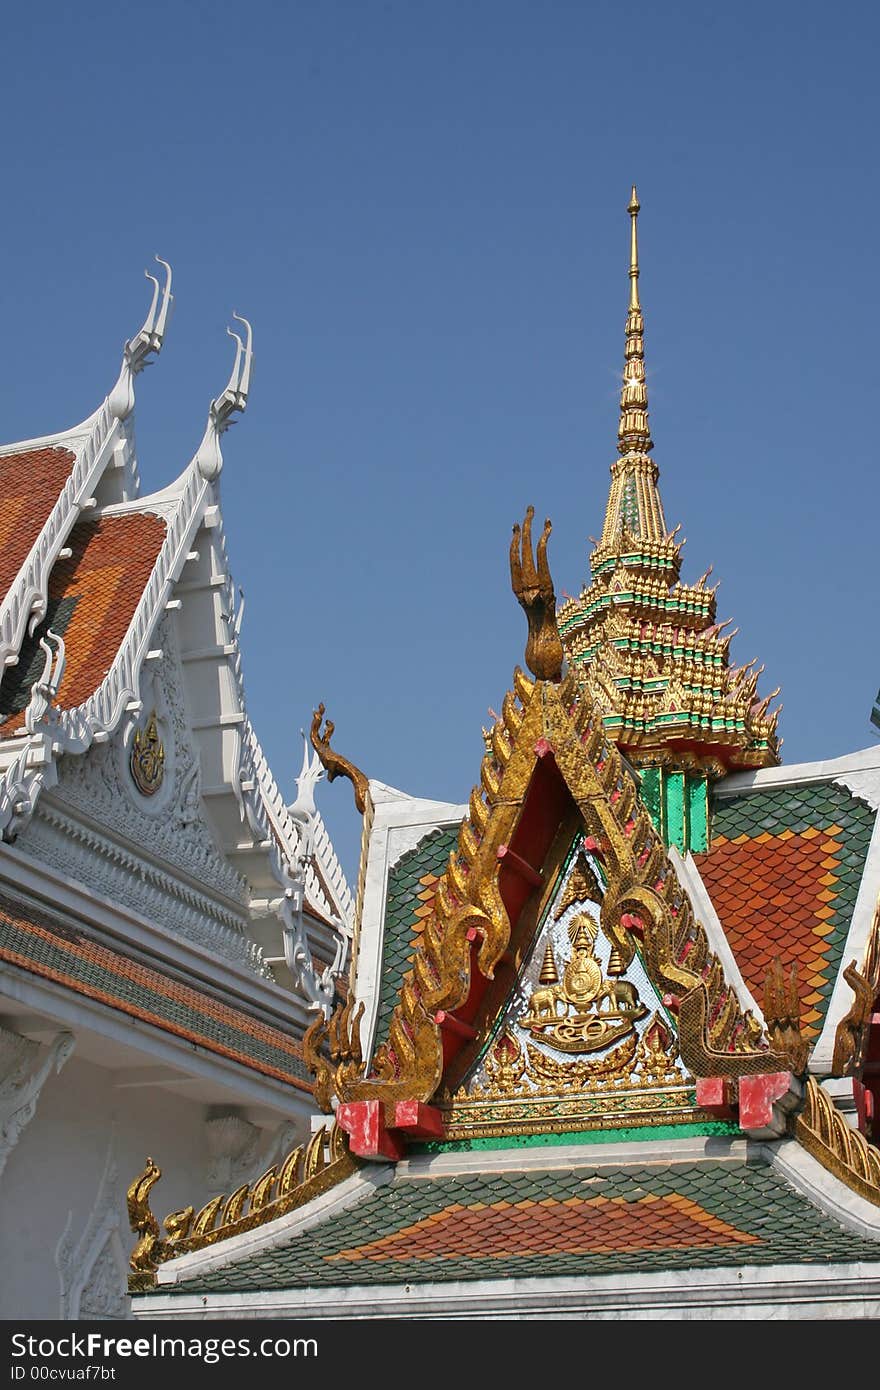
(24, 1069)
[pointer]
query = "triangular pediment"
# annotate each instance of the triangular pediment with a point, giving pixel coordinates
(552, 789)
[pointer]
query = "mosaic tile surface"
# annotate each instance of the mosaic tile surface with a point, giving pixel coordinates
(552, 1222)
(412, 884)
(783, 873)
(32, 940)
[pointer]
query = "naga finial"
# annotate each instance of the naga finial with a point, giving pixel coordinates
(231, 401)
(782, 1015)
(335, 765)
(533, 588)
(138, 350)
(142, 1220)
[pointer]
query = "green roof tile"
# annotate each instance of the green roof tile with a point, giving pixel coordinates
(430, 856)
(689, 1215)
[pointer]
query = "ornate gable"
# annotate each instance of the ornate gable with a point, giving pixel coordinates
(560, 945)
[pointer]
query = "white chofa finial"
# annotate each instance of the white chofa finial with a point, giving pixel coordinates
(137, 351)
(231, 401)
(303, 808)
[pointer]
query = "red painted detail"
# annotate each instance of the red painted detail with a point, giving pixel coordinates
(864, 1100)
(715, 1094)
(546, 802)
(871, 1069)
(591, 843)
(542, 748)
(418, 1120)
(629, 827)
(672, 1001)
(513, 861)
(454, 1025)
(473, 934)
(364, 1123)
(756, 1097)
(632, 921)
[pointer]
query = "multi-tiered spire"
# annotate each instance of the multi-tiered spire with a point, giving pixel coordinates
(646, 648)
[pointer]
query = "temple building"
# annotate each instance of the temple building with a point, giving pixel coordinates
(610, 1047)
(169, 925)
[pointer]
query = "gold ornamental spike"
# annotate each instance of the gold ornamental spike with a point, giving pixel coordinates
(549, 974)
(633, 435)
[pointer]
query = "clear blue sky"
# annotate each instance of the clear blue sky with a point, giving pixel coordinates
(422, 209)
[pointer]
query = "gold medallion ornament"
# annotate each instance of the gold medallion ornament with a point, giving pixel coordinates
(586, 1012)
(147, 760)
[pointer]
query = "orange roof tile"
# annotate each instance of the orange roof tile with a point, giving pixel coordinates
(30, 485)
(102, 581)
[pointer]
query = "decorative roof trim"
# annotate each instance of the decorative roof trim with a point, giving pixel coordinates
(305, 1173)
(25, 603)
(845, 1152)
(851, 770)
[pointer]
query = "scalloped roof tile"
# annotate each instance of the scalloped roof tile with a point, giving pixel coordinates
(783, 872)
(550, 1222)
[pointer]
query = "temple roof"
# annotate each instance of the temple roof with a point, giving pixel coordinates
(93, 572)
(41, 942)
(534, 1232)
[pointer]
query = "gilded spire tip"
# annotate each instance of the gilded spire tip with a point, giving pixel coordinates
(633, 431)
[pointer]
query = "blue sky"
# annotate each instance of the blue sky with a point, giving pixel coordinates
(422, 209)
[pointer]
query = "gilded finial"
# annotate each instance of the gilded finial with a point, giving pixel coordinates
(633, 210)
(633, 435)
(533, 588)
(335, 765)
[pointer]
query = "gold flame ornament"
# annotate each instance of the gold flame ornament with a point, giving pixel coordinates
(147, 760)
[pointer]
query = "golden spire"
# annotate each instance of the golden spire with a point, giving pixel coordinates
(633, 435)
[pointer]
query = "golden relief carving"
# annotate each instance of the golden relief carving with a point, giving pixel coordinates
(582, 886)
(147, 758)
(595, 1011)
(306, 1172)
(782, 1015)
(524, 1090)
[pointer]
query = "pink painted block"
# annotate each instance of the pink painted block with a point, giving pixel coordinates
(714, 1093)
(757, 1095)
(364, 1123)
(418, 1120)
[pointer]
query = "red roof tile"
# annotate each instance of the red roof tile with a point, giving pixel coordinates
(104, 578)
(770, 894)
(30, 485)
(577, 1226)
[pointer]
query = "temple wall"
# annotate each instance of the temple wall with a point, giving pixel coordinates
(72, 1164)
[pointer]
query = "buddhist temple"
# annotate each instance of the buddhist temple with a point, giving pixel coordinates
(170, 923)
(610, 1044)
